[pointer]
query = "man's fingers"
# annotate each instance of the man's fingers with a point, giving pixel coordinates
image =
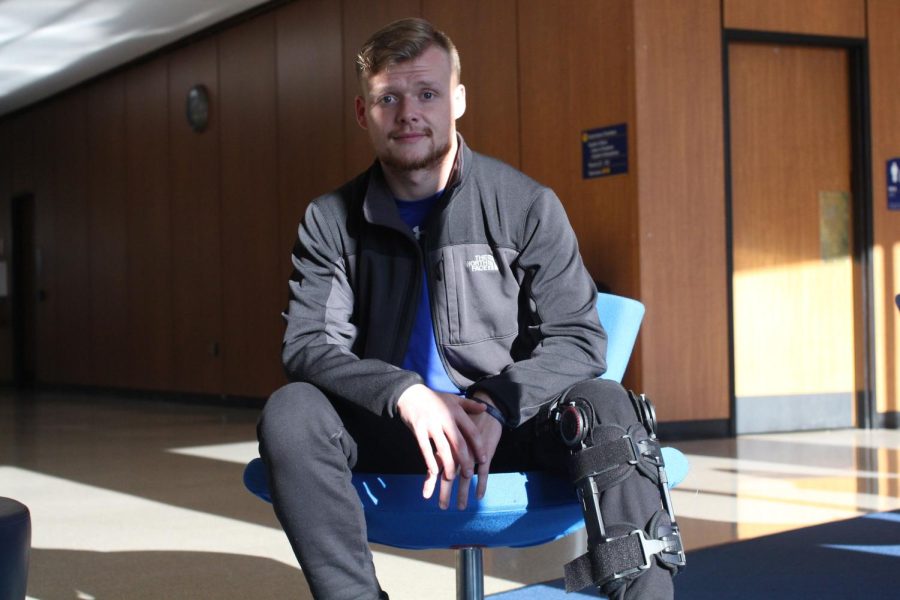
(458, 442)
(446, 456)
(448, 468)
(446, 490)
(462, 492)
(430, 482)
(430, 463)
(472, 407)
(483, 470)
(471, 439)
(449, 439)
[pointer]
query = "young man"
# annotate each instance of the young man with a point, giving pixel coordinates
(439, 310)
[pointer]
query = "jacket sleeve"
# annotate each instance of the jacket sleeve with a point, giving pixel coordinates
(570, 342)
(320, 331)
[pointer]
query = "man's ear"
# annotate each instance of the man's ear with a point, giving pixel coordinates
(459, 101)
(360, 106)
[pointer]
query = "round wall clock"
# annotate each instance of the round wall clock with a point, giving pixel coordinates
(198, 107)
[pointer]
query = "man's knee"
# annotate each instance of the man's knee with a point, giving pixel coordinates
(617, 466)
(609, 400)
(295, 416)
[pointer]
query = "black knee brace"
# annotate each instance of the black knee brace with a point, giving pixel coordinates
(602, 457)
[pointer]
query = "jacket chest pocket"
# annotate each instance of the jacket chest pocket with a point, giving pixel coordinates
(478, 300)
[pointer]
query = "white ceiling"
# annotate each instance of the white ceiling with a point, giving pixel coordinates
(49, 45)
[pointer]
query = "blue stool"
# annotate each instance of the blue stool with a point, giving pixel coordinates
(15, 547)
(518, 509)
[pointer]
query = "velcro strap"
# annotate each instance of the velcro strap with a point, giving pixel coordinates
(603, 457)
(613, 559)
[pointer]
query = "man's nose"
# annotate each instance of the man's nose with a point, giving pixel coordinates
(407, 112)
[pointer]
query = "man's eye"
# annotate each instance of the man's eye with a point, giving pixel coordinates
(388, 100)
(428, 95)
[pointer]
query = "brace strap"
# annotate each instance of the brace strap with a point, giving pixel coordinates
(620, 557)
(622, 451)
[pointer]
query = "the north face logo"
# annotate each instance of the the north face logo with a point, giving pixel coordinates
(482, 262)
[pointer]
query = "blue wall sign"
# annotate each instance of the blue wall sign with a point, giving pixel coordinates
(893, 183)
(604, 151)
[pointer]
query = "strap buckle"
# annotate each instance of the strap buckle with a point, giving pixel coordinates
(646, 449)
(667, 545)
(648, 549)
(673, 552)
(618, 557)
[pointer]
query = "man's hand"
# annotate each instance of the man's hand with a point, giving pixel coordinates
(444, 420)
(490, 429)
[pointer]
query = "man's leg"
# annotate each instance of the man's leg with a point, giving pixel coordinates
(629, 499)
(309, 454)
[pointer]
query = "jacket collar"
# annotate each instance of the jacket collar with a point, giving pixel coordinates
(379, 207)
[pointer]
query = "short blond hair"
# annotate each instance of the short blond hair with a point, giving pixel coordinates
(399, 42)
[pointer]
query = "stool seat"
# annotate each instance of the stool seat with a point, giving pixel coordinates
(15, 547)
(518, 509)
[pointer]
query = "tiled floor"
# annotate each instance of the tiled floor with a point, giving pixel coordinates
(140, 499)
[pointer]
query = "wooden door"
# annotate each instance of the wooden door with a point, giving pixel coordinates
(792, 277)
(24, 290)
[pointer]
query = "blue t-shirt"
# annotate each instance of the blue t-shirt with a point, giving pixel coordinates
(422, 353)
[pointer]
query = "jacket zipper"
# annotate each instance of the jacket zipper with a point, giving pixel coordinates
(412, 301)
(423, 252)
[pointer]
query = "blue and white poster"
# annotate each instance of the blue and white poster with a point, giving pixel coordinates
(604, 151)
(893, 183)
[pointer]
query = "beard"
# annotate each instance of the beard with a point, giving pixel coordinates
(428, 161)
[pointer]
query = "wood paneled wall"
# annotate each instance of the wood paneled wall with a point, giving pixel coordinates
(252, 282)
(485, 34)
(842, 18)
(571, 83)
(196, 256)
(164, 252)
(49, 346)
(180, 241)
(311, 112)
(106, 232)
(681, 186)
(69, 292)
(884, 64)
(148, 227)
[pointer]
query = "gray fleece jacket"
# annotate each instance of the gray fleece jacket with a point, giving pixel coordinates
(511, 300)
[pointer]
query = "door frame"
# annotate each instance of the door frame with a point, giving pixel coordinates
(861, 190)
(23, 373)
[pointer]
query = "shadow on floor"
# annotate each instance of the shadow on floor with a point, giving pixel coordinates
(856, 558)
(82, 575)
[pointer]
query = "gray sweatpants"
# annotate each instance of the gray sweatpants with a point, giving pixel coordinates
(311, 443)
